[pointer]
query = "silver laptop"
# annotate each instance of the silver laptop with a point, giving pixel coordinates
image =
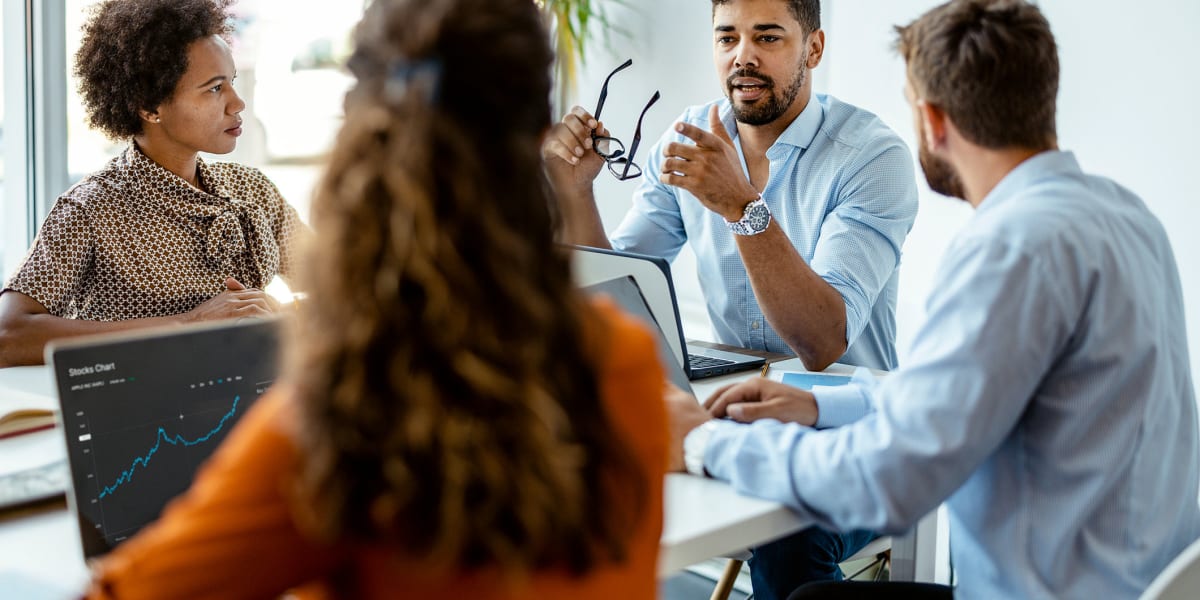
(142, 410)
(625, 292)
(653, 276)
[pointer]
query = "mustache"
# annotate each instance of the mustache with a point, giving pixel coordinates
(749, 73)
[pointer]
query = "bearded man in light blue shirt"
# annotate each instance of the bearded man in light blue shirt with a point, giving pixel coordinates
(837, 187)
(1048, 398)
(796, 206)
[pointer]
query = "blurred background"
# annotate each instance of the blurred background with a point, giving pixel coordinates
(1126, 106)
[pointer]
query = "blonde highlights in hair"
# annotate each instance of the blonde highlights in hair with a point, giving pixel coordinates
(450, 400)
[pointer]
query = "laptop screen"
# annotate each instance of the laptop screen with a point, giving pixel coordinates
(653, 275)
(626, 293)
(141, 412)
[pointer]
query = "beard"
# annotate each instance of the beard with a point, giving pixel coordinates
(769, 107)
(940, 175)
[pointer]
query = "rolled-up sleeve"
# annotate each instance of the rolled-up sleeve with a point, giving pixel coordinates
(859, 245)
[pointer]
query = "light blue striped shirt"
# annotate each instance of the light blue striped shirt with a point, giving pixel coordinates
(841, 186)
(1048, 398)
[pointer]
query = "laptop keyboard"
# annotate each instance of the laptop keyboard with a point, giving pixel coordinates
(697, 361)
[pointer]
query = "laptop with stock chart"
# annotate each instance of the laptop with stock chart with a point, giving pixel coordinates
(141, 411)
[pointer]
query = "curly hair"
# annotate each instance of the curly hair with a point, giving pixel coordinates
(133, 54)
(450, 401)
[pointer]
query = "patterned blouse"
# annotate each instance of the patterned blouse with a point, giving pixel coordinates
(134, 240)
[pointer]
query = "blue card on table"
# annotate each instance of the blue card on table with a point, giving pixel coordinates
(806, 381)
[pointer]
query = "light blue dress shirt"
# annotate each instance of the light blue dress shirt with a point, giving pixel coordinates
(841, 186)
(1048, 397)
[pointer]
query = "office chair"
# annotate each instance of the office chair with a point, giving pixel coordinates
(880, 550)
(1180, 580)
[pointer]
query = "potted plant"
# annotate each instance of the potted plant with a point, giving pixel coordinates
(573, 24)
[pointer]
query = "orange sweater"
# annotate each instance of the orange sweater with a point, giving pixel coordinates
(232, 534)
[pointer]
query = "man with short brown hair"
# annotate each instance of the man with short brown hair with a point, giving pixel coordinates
(1048, 400)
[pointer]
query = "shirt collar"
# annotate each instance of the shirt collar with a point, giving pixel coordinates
(1043, 165)
(161, 178)
(800, 133)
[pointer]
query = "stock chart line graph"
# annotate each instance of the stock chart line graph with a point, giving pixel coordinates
(174, 440)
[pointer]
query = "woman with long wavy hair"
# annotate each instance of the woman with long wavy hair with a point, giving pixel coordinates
(456, 420)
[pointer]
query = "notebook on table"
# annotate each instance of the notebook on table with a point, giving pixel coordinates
(653, 276)
(141, 411)
(32, 467)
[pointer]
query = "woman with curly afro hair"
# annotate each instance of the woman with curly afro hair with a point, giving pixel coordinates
(158, 236)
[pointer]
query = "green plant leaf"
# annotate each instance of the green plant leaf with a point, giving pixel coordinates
(572, 24)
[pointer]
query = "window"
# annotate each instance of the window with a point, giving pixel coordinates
(12, 150)
(34, 138)
(3, 165)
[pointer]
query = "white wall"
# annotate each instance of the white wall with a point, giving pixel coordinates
(1128, 106)
(671, 47)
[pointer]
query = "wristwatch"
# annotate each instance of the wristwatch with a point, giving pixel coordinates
(755, 219)
(694, 445)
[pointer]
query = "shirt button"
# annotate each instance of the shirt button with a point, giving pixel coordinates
(755, 325)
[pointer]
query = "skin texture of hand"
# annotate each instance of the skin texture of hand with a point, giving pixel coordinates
(761, 398)
(710, 169)
(567, 151)
(684, 414)
(237, 301)
(26, 326)
(571, 165)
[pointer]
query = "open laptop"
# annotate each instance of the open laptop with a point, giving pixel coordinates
(626, 293)
(142, 410)
(653, 275)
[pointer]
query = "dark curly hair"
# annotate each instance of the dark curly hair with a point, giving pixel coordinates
(450, 400)
(133, 54)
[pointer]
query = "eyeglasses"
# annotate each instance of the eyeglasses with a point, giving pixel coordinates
(611, 149)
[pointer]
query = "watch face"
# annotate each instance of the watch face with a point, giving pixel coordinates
(758, 217)
(755, 219)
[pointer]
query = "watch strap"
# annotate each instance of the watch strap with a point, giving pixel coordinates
(756, 217)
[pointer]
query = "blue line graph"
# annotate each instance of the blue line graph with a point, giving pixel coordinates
(175, 440)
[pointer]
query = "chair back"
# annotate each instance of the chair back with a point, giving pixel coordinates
(1180, 580)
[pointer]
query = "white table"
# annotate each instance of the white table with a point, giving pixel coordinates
(38, 545)
(703, 517)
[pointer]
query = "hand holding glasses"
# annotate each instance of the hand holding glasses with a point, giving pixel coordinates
(611, 149)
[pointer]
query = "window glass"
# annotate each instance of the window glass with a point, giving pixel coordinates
(3, 153)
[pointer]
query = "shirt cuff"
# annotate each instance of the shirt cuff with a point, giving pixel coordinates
(840, 405)
(718, 461)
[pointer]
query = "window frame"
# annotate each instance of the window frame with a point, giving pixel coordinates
(35, 128)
